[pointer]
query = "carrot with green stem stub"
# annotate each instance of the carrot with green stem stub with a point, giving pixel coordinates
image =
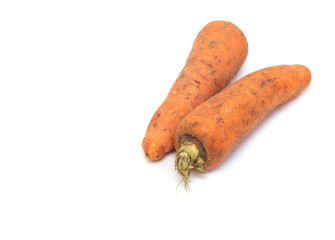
(216, 56)
(206, 136)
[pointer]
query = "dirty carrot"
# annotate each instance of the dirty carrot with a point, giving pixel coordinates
(206, 136)
(217, 54)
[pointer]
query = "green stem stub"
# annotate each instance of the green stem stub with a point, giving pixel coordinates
(187, 159)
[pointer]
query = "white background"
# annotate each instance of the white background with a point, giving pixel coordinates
(79, 82)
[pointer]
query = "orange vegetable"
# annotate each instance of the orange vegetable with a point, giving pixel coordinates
(206, 136)
(217, 54)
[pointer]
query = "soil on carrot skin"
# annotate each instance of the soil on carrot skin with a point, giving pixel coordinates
(197, 142)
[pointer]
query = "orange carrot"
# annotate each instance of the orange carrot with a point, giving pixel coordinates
(206, 136)
(217, 54)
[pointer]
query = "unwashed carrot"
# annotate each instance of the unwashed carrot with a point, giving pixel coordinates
(206, 136)
(217, 54)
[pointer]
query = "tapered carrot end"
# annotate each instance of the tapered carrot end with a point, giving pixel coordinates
(304, 78)
(304, 73)
(153, 151)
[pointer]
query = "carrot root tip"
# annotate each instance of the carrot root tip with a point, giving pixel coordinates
(187, 159)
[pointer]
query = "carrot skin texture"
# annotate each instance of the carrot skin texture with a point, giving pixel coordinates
(221, 122)
(217, 54)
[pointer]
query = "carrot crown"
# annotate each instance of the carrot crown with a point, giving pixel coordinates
(188, 158)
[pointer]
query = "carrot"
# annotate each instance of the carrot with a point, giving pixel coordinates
(217, 54)
(206, 136)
